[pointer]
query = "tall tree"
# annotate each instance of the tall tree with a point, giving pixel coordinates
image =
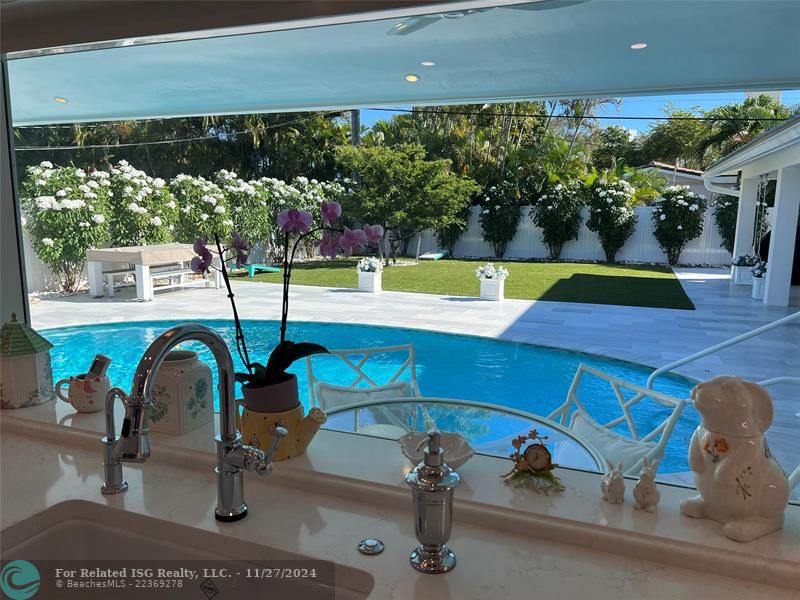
(401, 190)
(733, 125)
(675, 141)
(615, 145)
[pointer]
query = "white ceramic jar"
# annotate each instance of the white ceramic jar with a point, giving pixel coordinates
(183, 395)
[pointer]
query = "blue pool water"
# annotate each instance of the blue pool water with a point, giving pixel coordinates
(523, 376)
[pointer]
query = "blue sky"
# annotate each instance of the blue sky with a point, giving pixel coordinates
(637, 106)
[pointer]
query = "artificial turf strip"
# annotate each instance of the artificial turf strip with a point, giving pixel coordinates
(652, 286)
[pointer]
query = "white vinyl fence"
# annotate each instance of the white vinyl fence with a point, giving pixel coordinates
(640, 247)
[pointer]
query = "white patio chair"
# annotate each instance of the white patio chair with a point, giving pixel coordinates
(630, 450)
(365, 388)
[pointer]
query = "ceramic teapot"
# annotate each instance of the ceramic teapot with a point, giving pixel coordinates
(741, 485)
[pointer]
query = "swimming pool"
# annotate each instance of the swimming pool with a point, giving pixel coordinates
(523, 376)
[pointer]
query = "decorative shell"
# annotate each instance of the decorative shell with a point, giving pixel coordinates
(456, 449)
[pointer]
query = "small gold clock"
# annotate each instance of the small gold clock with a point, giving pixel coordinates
(533, 464)
(538, 458)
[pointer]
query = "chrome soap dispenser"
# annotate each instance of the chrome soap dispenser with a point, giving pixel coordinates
(432, 483)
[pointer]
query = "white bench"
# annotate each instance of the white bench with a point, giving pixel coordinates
(149, 264)
(146, 277)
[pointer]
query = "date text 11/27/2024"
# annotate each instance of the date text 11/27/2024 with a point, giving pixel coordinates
(185, 573)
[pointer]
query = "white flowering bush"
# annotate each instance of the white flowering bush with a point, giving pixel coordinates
(489, 271)
(311, 194)
(677, 219)
(202, 209)
(249, 202)
(143, 210)
(500, 214)
(759, 270)
(558, 214)
(279, 196)
(611, 213)
(725, 212)
(369, 264)
(66, 212)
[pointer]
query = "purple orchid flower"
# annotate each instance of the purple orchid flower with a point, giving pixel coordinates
(242, 249)
(328, 245)
(374, 233)
(202, 262)
(294, 221)
(330, 212)
(352, 239)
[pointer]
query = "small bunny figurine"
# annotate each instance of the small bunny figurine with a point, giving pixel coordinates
(645, 492)
(612, 484)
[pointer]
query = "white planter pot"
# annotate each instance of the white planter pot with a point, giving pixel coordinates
(741, 275)
(369, 281)
(183, 396)
(492, 289)
(758, 288)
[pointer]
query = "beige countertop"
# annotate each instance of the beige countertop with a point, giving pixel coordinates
(347, 487)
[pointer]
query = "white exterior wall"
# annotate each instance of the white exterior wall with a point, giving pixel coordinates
(640, 247)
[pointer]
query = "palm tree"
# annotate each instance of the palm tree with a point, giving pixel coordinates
(581, 110)
(734, 125)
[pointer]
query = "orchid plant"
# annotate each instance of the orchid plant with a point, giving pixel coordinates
(295, 226)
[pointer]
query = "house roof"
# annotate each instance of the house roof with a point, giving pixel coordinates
(668, 167)
(17, 339)
(773, 140)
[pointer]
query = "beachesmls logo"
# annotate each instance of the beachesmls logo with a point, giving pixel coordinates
(19, 580)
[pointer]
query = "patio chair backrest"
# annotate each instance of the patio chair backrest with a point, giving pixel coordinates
(364, 386)
(614, 445)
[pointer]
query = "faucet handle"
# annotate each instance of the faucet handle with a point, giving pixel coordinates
(277, 435)
(263, 466)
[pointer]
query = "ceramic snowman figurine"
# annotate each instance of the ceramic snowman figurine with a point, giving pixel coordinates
(740, 483)
(645, 492)
(612, 484)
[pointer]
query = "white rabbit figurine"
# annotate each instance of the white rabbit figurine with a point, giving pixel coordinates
(645, 492)
(612, 484)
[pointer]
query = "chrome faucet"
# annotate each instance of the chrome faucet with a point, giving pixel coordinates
(133, 445)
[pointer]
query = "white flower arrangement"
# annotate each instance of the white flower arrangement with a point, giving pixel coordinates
(369, 264)
(759, 270)
(489, 271)
(745, 260)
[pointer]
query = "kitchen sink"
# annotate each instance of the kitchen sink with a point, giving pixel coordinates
(84, 531)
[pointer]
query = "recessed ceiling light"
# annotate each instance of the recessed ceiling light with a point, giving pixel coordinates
(638, 46)
(411, 78)
(427, 63)
(60, 99)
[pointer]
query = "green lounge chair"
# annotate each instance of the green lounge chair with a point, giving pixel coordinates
(253, 269)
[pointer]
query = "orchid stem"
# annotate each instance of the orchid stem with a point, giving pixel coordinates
(288, 262)
(241, 345)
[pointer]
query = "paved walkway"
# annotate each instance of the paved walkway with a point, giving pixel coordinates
(651, 336)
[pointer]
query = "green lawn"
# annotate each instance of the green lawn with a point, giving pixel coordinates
(627, 285)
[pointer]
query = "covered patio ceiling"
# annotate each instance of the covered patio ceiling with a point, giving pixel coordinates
(489, 51)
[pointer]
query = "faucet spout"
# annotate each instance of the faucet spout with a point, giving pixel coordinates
(233, 457)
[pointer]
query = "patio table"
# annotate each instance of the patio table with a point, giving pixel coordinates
(488, 428)
(149, 262)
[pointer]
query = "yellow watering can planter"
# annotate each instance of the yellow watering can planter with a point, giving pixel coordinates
(271, 406)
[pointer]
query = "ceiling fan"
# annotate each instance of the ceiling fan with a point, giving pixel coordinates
(411, 25)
